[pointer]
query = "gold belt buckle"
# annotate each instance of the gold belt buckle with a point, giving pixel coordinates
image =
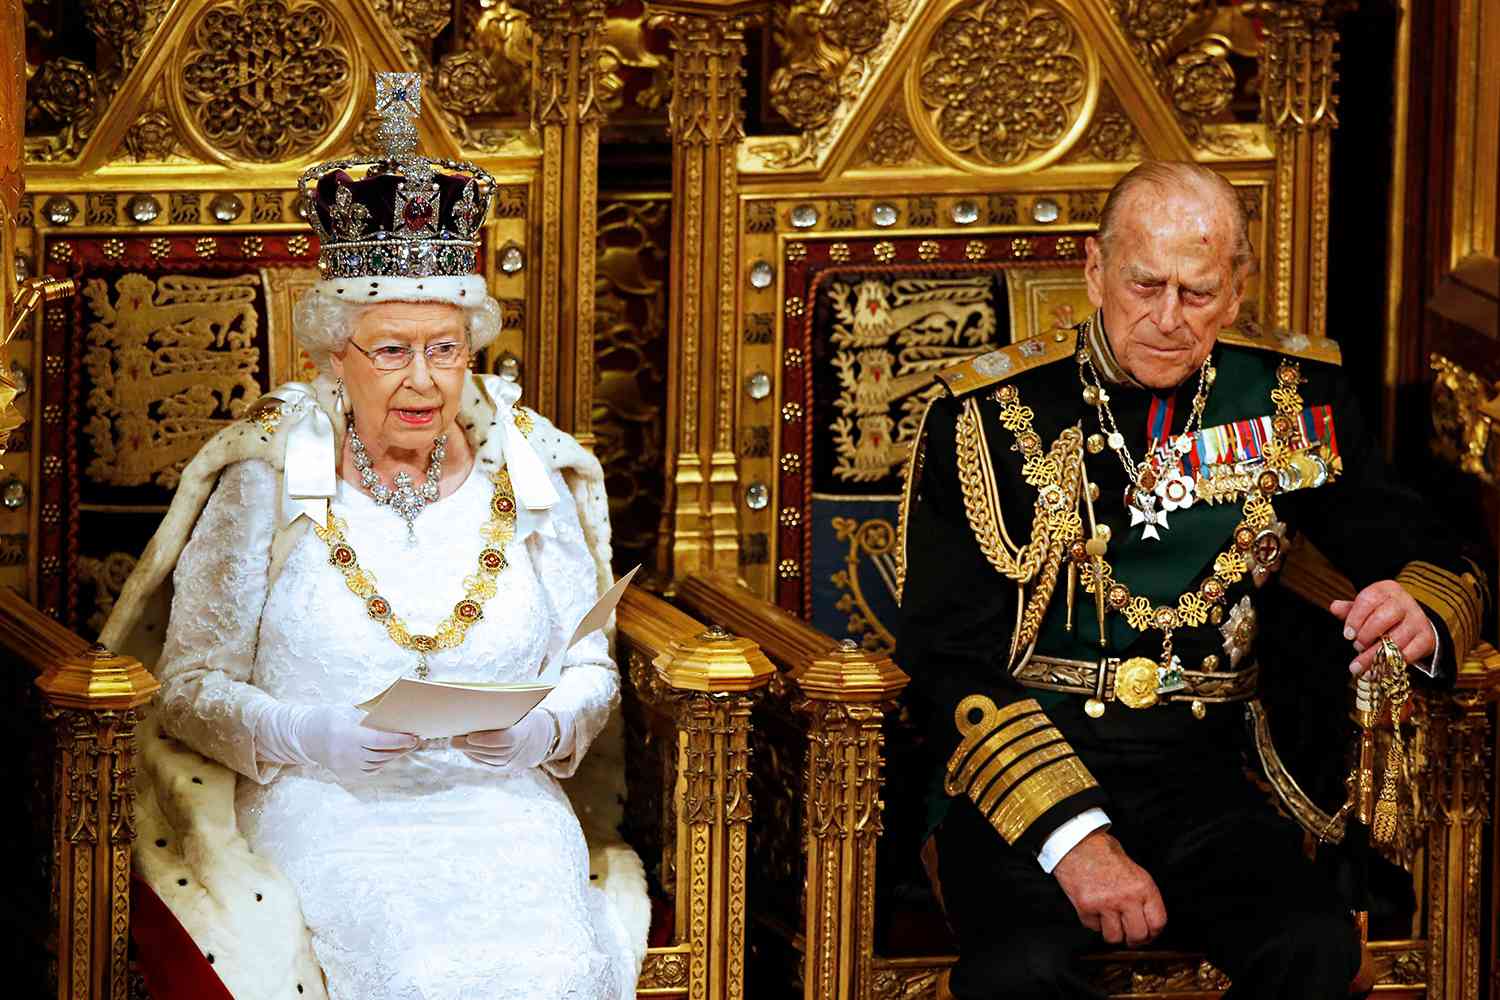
(1136, 682)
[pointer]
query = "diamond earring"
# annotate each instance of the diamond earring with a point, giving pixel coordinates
(340, 403)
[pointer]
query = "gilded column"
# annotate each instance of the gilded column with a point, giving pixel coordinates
(12, 122)
(714, 678)
(12, 128)
(92, 697)
(567, 114)
(1299, 107)
(1459, 810)
(700, 529)
(845, 695)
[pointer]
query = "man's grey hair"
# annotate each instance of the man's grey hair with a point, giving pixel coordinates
(1165, 175)
(323, 324)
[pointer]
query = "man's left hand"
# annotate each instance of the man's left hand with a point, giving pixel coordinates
(1384, 608)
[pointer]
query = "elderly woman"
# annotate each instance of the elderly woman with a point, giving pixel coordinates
(400, 518)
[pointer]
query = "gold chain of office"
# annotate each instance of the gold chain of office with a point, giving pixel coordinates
(479, 587)
(1257, 514)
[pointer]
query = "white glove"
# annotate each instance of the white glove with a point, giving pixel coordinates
(330, 736)
(529, 743)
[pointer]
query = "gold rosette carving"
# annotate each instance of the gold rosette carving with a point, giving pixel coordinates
(1003, 85)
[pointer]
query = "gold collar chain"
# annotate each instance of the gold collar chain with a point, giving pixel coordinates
(479, 587)
(1192, 607)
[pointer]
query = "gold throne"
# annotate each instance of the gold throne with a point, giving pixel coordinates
(908, 214)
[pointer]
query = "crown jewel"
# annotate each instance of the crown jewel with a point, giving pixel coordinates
(404, 217)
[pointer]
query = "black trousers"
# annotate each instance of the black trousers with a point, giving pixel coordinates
(1231, 871)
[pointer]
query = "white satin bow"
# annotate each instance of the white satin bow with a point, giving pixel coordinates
(528, 476)
(310, 470)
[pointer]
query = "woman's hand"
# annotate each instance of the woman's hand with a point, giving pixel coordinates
(528, 743)
(331, 735)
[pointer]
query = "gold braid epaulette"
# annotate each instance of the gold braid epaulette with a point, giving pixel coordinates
(1007, 362)
(1012, 763)
(1293, 345)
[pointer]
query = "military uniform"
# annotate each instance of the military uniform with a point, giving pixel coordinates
(1016, 533)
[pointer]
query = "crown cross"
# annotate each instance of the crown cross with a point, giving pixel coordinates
(398, 101)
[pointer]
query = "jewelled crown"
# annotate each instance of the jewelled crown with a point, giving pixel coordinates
(405, 218)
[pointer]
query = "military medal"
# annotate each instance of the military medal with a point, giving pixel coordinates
(1158, 485)
(1142, 507)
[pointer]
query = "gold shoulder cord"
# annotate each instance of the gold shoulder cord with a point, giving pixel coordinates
(1057, 475)
(914, 464)
(1065, 526)
(1055, 522)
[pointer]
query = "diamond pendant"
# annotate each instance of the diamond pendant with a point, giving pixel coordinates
(1142, 507)
(407, 502)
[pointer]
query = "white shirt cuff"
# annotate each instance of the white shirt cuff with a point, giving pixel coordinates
(1069, 835)
(1430, 668)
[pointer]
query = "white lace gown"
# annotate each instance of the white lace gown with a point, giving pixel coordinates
(437, 878)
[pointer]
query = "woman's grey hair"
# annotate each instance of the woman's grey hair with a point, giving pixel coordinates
(323, 324)
(1165, 175)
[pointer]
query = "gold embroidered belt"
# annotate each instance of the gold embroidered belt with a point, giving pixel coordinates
(1136, 682)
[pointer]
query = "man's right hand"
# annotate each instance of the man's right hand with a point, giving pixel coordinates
(1112, 894)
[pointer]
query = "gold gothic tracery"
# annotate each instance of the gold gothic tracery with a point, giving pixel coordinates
(854, 137)
(1004, 81)
(266, 81)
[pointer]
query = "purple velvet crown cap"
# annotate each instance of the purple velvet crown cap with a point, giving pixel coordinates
(377, 194)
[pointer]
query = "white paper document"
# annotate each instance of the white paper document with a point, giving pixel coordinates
(436, 709)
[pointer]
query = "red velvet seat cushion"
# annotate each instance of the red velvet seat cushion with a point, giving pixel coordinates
(172, 965)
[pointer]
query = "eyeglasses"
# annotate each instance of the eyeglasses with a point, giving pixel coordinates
(394, 357)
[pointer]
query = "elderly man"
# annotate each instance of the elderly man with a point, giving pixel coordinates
(1089, 516)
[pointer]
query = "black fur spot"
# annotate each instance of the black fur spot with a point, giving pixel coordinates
(197, 781)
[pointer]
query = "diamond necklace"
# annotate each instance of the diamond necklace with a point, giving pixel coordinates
(406, 499)
(1140, 498)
